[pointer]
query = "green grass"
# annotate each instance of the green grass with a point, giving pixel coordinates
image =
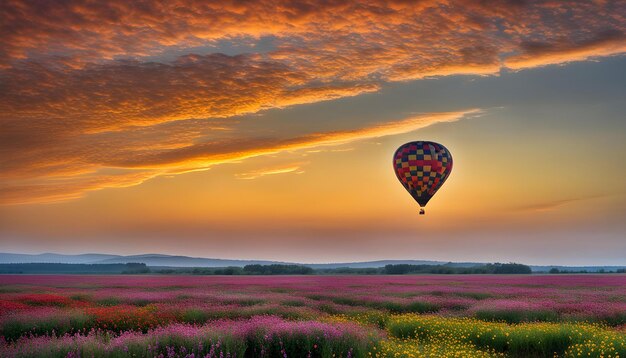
(389, 306)
(517, 316)
(66, 322)
(81, 297)
(518, 340)
(109, 301)
(195, 315)
(294, 303)
(256, 343)
(473, 295)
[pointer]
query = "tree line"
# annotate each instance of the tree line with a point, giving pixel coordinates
(399, 269)
(60, 268)
(256, 269)
(497, 268)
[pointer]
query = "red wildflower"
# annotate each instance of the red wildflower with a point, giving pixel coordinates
(44, 299)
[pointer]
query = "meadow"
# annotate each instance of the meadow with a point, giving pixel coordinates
(313, 316)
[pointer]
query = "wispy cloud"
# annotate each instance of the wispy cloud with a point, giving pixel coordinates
(537, 54)
(295, 168)
(553, 205)
(210, 153)
(50, 190)
(135, 164)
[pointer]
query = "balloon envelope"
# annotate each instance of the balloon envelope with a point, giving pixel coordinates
(422, 168)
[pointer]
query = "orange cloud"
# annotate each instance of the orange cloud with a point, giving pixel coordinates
(211, 153)
(120, 84)
(127, 166)
(295, 168)
(346, 38)
(77, 62)
(49, 190)
(542, 54)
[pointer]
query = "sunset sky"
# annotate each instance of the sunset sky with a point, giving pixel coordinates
(266, 129)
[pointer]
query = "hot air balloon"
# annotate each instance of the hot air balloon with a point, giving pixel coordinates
(422, 168)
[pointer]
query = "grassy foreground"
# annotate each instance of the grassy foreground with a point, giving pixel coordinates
(414, 335)
(312, 316)
(406, 335)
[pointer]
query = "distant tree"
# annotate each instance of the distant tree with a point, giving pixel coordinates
(253, 269)
(166, 271)
(276, 269)
(401, 269)
(396, 269)
(554, 270)
(511, 268)
(498, 268)
(59, 268)
(349, 271)
(133, 268)
(231, 270)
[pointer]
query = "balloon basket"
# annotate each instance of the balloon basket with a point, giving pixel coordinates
(422, 211)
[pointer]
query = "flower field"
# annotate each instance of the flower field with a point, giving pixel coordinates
(313, 316)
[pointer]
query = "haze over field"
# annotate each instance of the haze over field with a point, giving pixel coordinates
(265, 131)
(158, 262)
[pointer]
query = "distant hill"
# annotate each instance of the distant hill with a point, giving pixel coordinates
(7, 258)
(186, 261)
(182, 261)
(148, 259)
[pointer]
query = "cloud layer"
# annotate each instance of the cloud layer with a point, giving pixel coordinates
(106, 94)
(70, 172)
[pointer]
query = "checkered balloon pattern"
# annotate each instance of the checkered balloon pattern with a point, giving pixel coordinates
(422, 167)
